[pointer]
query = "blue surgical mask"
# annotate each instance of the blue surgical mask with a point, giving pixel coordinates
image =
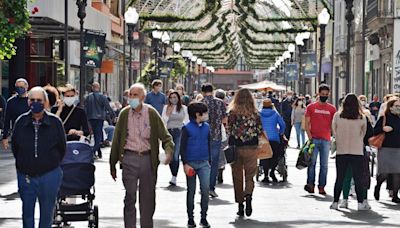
(37, 107)
(20, 90)
(134, 103)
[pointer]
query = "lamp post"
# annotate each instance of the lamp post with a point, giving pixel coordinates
(81, 15)
(193, 77)
(131, 18)
(349, 18)
(199, 62)
(187, 55)
(165, 41)
(156, 39)
(286, 55)
(177, 50)
(323, 19)
(300, 44)
(291, 49)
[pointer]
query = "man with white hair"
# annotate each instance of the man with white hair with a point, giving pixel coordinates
(38, 159)
(16, 105)
(136, 146)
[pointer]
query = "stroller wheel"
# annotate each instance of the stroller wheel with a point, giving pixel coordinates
(95, 222)
(259, 173)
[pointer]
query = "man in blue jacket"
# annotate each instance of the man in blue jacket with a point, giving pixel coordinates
(38, 159)
(97, 108)
(16, 106)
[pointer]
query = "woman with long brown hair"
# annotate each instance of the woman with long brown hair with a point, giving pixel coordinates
(243, 129)
(349, 127)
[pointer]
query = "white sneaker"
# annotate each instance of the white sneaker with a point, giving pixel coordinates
(173, 181)
(363, 206)
(344, 204)
(366, 203)
(334, 206)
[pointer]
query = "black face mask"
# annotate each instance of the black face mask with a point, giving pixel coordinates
(323, 99)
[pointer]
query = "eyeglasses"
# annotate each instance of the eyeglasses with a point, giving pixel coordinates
(36, 100)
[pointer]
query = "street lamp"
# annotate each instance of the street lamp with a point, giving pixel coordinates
(300, 46)
(286, 55)
(187, 55)
(193, 77)
(131, 18)
(323, 19)
(349, 18)
(177, 48)
(291, 49)
(156, 38)
(81, 15)
(199, 62)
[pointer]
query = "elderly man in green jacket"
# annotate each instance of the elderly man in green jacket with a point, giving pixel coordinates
(136, 146)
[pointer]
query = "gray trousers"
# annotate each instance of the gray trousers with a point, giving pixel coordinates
(136, 171)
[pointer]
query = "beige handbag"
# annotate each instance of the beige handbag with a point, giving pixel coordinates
(264, 149)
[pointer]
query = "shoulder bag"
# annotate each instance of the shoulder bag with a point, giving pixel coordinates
(69, 114)
(377, 140)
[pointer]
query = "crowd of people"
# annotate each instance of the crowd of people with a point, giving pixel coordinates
(195, 130)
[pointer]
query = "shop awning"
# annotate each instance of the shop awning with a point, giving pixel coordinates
(263, 85)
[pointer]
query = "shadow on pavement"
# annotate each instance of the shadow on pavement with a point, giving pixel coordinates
(12, 196)
(391, 206)
(279, 185)
(325, 198)
(217, 201)
(225, 186)
(372, 217)
(243, 222)
(173, 188)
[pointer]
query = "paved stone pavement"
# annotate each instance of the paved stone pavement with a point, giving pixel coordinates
(281, 205)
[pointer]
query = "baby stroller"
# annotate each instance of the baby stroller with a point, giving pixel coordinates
(78, 182)
(282, 166)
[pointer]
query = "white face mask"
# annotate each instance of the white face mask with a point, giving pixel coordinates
(69, 101)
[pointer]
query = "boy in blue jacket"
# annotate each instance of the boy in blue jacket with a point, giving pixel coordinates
(195, 154)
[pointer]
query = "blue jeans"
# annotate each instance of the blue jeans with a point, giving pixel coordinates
(215, 150)
(110, 132)
(176, 134)
(97, 128)
(322, 147)
(202, 169)
(45, 189)
(299, 133)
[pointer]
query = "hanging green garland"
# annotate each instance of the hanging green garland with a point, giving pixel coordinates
(14, 23)
(214, 19)
(211, 7)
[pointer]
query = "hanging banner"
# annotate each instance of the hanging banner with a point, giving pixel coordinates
(310, 64)
(165, 68)
(292, 72)
(93, 48)
(396, 51)
(280, 78)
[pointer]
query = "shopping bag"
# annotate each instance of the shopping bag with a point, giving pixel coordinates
(305, 155)
(264, 149)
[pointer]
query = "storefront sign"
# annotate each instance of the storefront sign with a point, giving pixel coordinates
(93, 48)
(396, 52)
(310, 64)
(165, 68)
(292, 72)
